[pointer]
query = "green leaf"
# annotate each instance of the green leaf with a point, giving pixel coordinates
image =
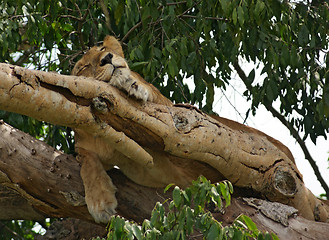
(189, 3)
(168, 186)
(308, 123)
(67, 27)
(146, 225)
(274, 236)
(230, 186)
(146, 13)
(138, 64)
(259, 8)
(235, 16)
(238, 235)
(312, 44)
(213, 232)
(172, 68)
(215, 195)
(293, 57)
(260, 237)
(186, 196)
(157, 52)
(241, 15)
(251, 77)
(303, 36)
(154, 12)
(268, 236)
(285, 55)
(183, 47)
(225, 6)
(177, 197)
(189, 220)
(225, 191)
(271, 90)
(248, 221)
(137, 232)
(210, 94)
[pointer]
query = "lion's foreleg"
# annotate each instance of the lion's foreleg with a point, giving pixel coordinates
(99, 189)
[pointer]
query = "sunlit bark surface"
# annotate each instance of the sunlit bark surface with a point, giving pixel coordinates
(50, 182)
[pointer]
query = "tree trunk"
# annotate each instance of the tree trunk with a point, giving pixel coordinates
(49, 180)
(38, 181)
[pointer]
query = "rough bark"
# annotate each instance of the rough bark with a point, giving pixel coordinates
(247, 159)
(292, 130)
(35, 185)
(48, 183)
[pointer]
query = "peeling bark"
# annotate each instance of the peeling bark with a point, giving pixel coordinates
(150, 133)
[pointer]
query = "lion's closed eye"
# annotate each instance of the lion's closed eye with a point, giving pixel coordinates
(82, 69)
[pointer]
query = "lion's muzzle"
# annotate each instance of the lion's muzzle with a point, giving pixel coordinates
(107, 59)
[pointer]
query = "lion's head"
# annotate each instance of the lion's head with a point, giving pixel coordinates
(107, 63)
(101, 62)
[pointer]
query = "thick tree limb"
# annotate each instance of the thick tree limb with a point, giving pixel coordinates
(35, 169)
(48, 183)
(43, 95)
(292, 130)
(147, 133)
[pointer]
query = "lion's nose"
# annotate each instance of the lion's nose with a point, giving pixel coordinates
(107, 59)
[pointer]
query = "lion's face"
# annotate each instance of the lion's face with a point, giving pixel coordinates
(107, 63)
(102, 62)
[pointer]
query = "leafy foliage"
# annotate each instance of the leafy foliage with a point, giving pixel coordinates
(188, 216)
(172, 41)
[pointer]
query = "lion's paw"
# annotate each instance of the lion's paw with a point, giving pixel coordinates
(102, 207)
(124, 80)
(138, 91)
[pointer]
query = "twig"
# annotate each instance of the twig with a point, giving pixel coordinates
(188, 9)
(81, 20)
(11, 231)
(208, 18)
(175, 3)
(130, 31)
(70, 16)
(106, 14)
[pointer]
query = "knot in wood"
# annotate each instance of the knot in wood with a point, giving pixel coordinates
(285, 182)
(100, 105)
(180, 122)
(33, 151)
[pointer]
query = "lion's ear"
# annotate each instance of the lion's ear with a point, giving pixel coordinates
(113, 44)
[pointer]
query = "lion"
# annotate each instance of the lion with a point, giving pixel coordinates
(107, 63)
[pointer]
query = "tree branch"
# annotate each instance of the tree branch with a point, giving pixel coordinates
(131, 30)
(106, 14)
(292, 130)
(42, 96)
(42, 177)
(165, 143)
(49, 182)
